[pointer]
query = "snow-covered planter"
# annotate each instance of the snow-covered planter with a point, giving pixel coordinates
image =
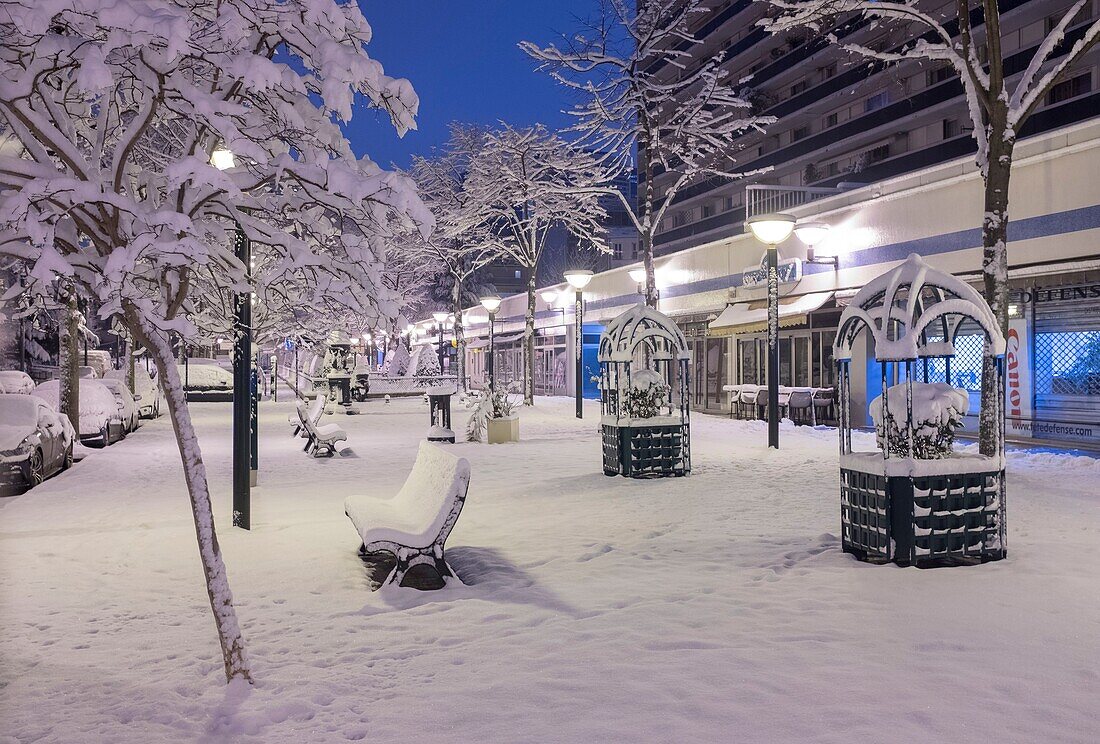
(937, 411)
(493, 413)
(916, 500)
(644, 424)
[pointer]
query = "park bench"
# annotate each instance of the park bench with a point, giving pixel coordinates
(314, 413)
(320, 439)
(413, 526)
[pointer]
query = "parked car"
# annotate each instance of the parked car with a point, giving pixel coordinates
(87, 373)
(14, 381)
(100, 420)
(146, 391)
(35, 441)
(206, 381)
(99, 360)
(127, 404)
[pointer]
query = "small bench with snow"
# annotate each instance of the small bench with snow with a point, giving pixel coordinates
(413, 525)
(314, 412)
(320, 439)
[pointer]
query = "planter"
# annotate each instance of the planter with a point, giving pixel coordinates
(655, 451)
(502, 430)
(926, 520)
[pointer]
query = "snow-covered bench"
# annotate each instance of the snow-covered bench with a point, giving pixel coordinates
(314, 413)
(320, 439)
(415, 523)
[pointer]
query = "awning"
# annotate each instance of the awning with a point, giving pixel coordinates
(750, 317)
(498, 342)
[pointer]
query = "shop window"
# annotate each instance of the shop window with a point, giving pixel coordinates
(965, 366)
(1067, 363)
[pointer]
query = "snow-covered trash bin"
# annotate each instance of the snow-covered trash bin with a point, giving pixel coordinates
(439, 398)
(916, 500)
(645, 420)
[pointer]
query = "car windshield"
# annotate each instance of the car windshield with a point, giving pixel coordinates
(17, 410)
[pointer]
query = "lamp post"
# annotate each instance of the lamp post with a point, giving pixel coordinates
(440, 318)
(491, 303)
(771, 230)
(578, 279)
(223, 159)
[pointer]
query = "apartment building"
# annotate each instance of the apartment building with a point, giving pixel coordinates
(844, 119)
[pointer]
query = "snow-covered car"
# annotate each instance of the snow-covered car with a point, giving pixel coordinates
(14, 381)
(87, 373)
(206, 382)
(99, 360)
(146, 391)
(127, 405)
(100, 419)
(35, 441)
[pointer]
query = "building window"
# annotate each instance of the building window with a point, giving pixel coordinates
(1067, 363)
(876, 154)
(519, 274)
(634, 249)
(617, 250)
(680, 218)
(950, 128)
(828, 71)
(798, 87)
(877, 101)
(938, 75)
(708, 210)
(831, 120)
(800, 133)
(1067, 89)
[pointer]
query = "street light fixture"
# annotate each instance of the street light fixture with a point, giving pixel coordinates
(578, 279)
(491, 303)
(440, 318)
(243, 420)
(637, 275)
(772, 229)
(812, 233)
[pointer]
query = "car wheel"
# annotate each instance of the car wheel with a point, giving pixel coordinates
(67, 462)
(32, 470)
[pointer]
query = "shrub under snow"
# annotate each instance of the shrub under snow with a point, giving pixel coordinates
(938, 410)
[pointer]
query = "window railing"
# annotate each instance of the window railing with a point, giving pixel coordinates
(764, 199)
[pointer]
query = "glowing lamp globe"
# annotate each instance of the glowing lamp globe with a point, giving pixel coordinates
(439, 316)
(491, 303)
(637, 275)
(811, 233)
(222, 159)
(578, 278)
(549, 295)
(771, 229)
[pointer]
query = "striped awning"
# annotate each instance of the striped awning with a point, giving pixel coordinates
(752, 317)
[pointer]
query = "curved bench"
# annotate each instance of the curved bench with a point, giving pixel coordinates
(321, 439)
(415, 523)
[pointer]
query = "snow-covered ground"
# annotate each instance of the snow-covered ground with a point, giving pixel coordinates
(717, 607)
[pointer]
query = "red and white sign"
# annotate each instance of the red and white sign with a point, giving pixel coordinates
(1018, 411)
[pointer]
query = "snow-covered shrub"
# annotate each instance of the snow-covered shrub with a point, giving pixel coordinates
(428, 364)
(938, 410)
(397, 361)
(645, 397)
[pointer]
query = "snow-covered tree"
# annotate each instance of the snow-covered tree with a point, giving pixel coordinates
(110, 114)
(998, 108)
(644, 82)
(522, 183)
(458, 248)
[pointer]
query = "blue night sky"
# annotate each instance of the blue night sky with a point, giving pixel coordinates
(462, 59)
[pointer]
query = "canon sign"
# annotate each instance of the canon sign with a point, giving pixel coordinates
(1012, 359)
(1018, 379)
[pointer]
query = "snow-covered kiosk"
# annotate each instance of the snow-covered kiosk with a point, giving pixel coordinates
(644, 396)
(916, 500)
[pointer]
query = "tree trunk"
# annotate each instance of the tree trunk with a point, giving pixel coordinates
(129, 351)
(995, 275)
(529, 342)
(68, 395)
(460, 336)
(194, 473)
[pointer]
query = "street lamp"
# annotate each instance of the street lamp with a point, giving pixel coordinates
(637, 275)
(491, 303)
(812, 233)
(440, 318)
(222, 159)
(578, 279)
(771, 230)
